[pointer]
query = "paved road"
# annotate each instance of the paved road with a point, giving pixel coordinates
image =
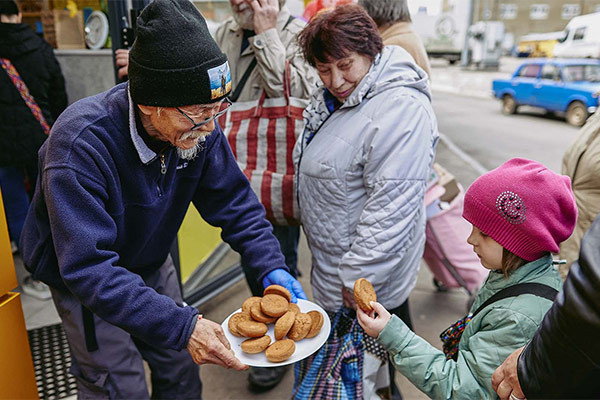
(477, 127)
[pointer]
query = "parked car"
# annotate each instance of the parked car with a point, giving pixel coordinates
(581, 38)
(571, 86)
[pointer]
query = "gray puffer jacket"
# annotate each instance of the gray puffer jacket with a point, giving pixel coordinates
(362, 180)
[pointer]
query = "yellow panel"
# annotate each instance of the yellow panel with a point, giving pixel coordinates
(8, 279)
(197, 239)
(17, 376)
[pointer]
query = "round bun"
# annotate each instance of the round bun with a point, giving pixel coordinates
(293, 307)
(257, 314)
(364, 294)
(256, 345)
(317, 323)
(281, 350)
(280, 290)
(284, 324)
(301, 327)
(249, 302)
(252, 329)
(235, 320)
(274, 305)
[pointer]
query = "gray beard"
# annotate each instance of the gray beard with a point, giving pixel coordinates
(189, 154)
(244, 19)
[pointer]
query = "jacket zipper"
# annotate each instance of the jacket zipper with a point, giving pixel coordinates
(163, 171)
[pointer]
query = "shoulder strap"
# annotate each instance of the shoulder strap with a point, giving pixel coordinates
(16, 79)
(537, 289)
(240, 86)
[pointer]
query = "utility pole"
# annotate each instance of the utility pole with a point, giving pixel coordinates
(464, 57)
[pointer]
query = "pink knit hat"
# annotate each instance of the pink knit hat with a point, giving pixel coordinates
(523, 206)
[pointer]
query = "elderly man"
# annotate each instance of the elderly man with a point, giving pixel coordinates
(393, 20)
(119, 171)
(258, 40)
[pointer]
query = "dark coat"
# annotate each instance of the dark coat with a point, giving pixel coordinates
(21, 135)
(563, 358)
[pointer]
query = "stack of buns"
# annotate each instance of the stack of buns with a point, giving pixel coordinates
(273, 308)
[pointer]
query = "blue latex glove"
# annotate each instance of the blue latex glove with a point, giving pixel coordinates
(283, 278)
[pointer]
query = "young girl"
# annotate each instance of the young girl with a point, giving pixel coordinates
(520, 212)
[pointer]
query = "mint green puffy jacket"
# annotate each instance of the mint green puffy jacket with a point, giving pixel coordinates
(488, 339)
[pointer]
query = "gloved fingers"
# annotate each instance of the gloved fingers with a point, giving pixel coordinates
(297, 291)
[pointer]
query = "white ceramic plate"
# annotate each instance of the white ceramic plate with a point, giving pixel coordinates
(304, 347)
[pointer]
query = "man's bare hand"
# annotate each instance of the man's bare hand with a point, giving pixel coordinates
(265, 14)
(122, 62)
(208, 345)
(505, 379)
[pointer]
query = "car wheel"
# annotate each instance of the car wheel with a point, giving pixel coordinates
(509, 105)
(576, 113)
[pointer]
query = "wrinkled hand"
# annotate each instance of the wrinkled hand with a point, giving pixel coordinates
(505, 380)
(208, 345)
(348, 298)
(122, 62)
(265, 14)
(371, 324)
(283, 278)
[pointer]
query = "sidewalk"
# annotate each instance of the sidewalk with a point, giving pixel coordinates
(431, 311)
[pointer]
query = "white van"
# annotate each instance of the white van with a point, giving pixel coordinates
(581, 38)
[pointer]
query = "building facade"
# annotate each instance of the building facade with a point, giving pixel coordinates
(521, 17)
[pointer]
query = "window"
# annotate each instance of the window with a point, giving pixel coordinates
(597, 8)
(570, 10)
(539, 11)
(529, 71)
(508, 11)
(550, 71)
(579, 33)
(564, 36)
(579, 73)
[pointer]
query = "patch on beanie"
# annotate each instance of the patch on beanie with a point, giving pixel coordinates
(511, 207)
(220, 80)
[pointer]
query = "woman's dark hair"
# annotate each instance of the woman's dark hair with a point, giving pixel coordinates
(385, 12)
(510, 262)
(8, 7)
(333, 34)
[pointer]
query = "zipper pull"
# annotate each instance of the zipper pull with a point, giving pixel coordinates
(163, 167)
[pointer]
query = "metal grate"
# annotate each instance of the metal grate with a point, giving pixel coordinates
(51, 360)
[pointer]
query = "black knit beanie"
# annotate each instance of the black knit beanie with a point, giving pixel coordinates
(174, 60)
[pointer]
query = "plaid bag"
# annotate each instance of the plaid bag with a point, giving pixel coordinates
(335, 371)
(262, 135)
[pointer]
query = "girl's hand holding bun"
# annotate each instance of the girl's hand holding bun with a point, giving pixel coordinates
(372, 324)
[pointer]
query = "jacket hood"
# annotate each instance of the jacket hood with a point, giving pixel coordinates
(17, 39)
(392, 68)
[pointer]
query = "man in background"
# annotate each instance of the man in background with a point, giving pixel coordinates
(35, 73)
(258, 40)
(395, 26)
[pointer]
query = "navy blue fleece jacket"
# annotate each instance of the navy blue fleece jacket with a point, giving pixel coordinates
(103, 215)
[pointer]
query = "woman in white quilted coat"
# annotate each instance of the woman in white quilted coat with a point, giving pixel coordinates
(362, 163)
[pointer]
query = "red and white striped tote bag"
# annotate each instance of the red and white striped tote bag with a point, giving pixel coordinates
(262, 134)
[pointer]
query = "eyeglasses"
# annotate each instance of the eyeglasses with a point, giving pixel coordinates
(198, 125)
